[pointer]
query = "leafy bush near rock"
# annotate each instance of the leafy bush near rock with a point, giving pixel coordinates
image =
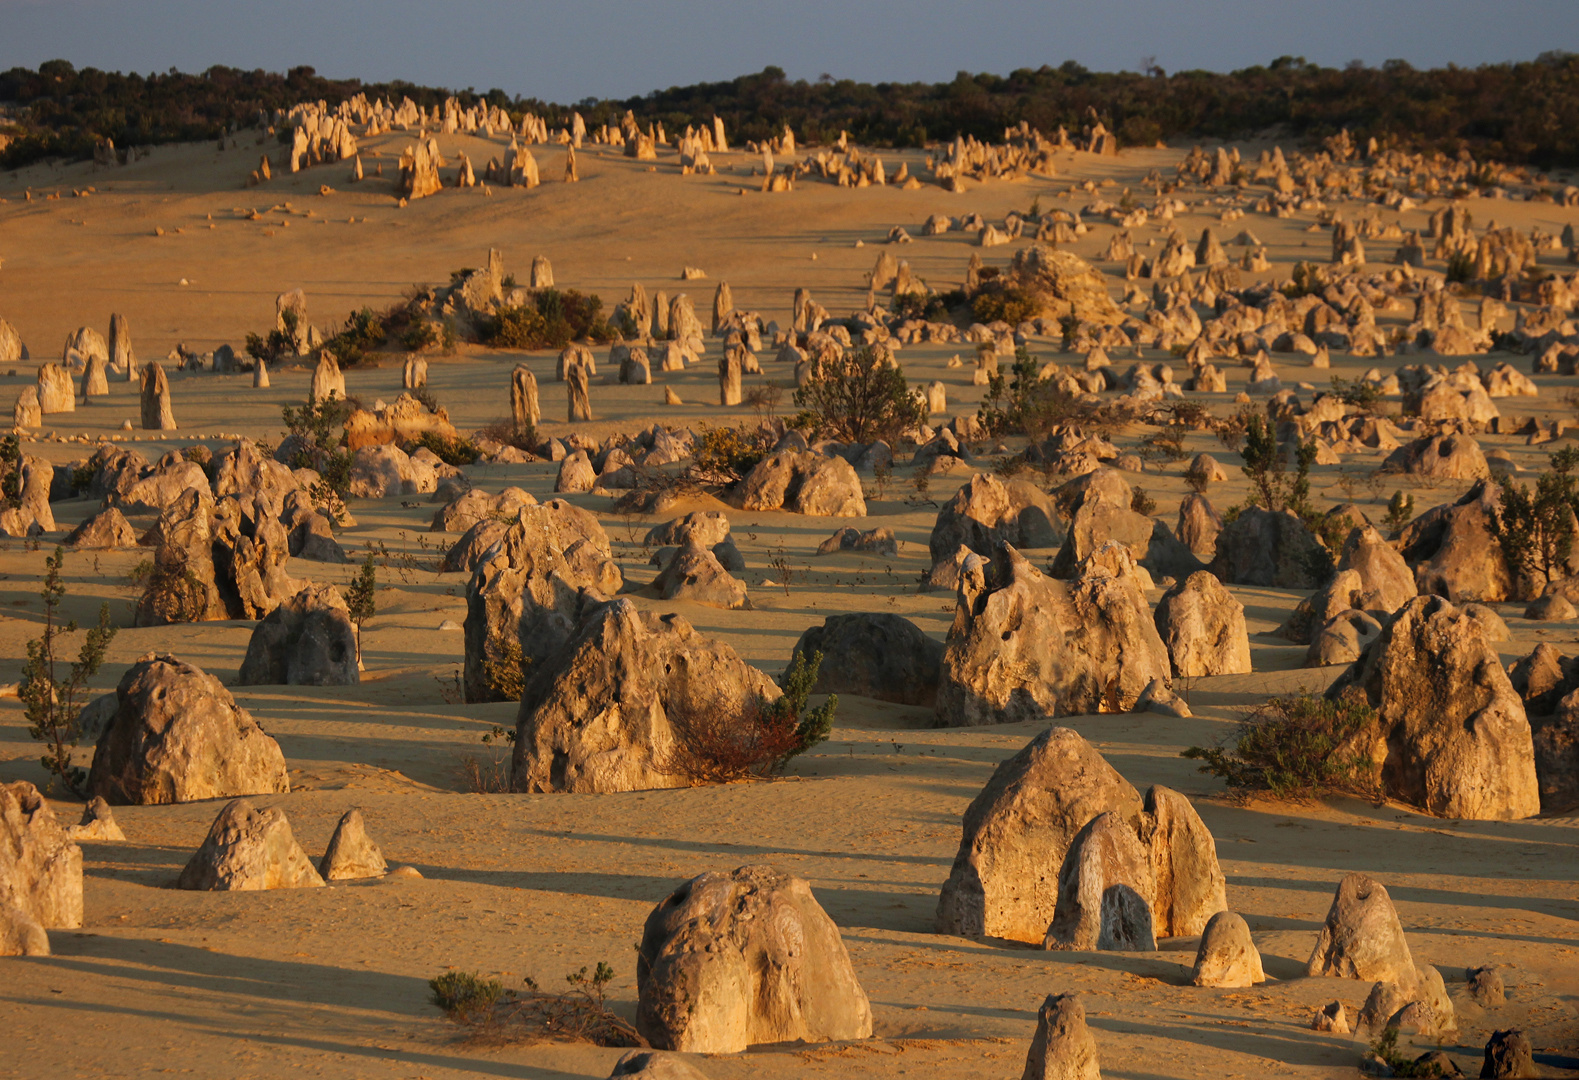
(717, 743)
(53, 703)
(1295, 747)
(858, 398)
(580, 1013)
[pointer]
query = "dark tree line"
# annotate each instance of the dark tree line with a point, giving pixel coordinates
(1526, 112)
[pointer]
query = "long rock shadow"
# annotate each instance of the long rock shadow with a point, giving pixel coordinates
(1550, 906)
(715, 848)
(170, 964)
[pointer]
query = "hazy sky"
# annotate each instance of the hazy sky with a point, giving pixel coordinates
(579, 48)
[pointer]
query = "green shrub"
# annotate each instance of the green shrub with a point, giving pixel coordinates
(921, 305)
(517, 328)
(11, 472)
(363, 332)
(718, 743)
(52, 701)
(1535, 527)
(724, 455)
(504, 669)
(419, 335)
(276, 343)
(1140, 502)
(1296, 747)
(860, 398)
(1025, 403)
(1400, 511)
(506, 433)
(452, 450)
(551, 320)
(1011, 305)
(361, 595)
(1358, 393)
(465, 997)
(1270, 487)
(319, 428)
(1386, 1050)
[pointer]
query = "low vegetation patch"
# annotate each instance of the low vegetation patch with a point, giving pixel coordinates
(487, 1010)
(1296, 748)
(51, 697)
(859, 397)
(719, 743)
(551, 319)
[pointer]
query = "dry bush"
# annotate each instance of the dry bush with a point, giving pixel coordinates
(489, 1012)
(506, 675)
(720, 741)
(174, 594)
(490, 774)
(1297, 747)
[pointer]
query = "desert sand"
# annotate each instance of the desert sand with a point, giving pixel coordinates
(332, 982)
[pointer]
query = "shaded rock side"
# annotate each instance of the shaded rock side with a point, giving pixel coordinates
(247, 850)
(1452, 737)
(608, 710)
(733, 960)
(1004, 881)
(178, 736)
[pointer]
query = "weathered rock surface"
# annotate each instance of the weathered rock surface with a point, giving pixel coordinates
(1362, 937)
(1101, 514)
(98, 822)
(351, 853)
(732, 960)
(1203, 627)
(56, 394)
(40, 865)
(182, 586)
(655, 1066)
(1267, 549)
(576, 474)
(1371, 577)
(877, 655)
(695, 574)
(550, 567)
(1331, 1017)
(802, 482)
(1016, 832)
(308, 640)
(476, 505)
(1508, 1053)
(108, 529)
(247, 850)
(383, 469)
(1454, 456)
(157, 414)
(1452, 737)
(1191, 887)
(1227, 957)
(1454, 552)
(608, 710)
(879, 541)
(178, 736)
(1106, 891)
(152, 491)
(1025, 646)
(1060, 285)
(1199, 524)
(1342, 640)
(21, 934)
(1062, 1048)
(988, 512)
